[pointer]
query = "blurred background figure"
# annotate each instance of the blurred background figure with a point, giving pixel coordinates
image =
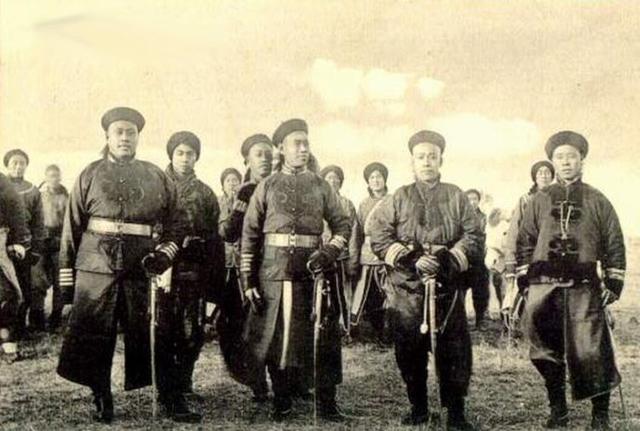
(45, 274)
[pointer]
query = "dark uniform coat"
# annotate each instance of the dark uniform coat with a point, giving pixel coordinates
(564, 296)
(110, 280)
(420, 216)
(195, 277)
(291, 203)
(13, 228)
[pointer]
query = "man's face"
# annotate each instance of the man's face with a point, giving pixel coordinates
(16, 166)
(183, 159)
(52, 177)
(295, 149)
(543, 177)
(426, 161)
(259, 159)
(230, 184)
(567, 162)
(122, 139)
(334, 181)
(376, 181)
(474, 200)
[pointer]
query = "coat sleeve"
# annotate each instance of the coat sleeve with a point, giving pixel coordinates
(470, 246)
(511, 236)
(16, 216)
(216, 248)
(354, 247)
(251, 242)
(230, 226)
(614, 258)
(527, 236)
(75, 222)
(336, 217)
(384, 238)
(37, 222)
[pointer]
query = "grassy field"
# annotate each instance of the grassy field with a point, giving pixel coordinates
(506, 392)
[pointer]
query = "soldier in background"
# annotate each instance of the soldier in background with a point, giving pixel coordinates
(280, 239)
(230, 180)
(196, 274)
(348, 267)
(568, 230)
(14, 243)
(257, 151)
(45, 273)
(16, 162)
(369, 296)
(477, 277)
(428, 230)
(121, 223)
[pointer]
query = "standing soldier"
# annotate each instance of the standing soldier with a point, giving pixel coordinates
(280, 240)
(194, 275)
(120, 223)
(348, 268)
(257, 151)
(45, 274)
(428, 230)
(230, 180)
(16, 162)
(14, 243)
(477, 277)
(568, 229)
(369, 296)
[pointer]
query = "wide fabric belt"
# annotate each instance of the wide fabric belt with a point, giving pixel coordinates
(114, 227)
(291, 240)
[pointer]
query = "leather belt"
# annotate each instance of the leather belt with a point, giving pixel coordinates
(291, 240)
(114, 227)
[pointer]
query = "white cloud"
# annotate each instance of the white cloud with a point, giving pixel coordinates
(483, 137)
(378, 84)
(430, 88)
(344, 87)
(338, 87)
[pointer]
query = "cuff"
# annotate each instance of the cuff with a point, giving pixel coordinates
(66, 277)
(246, 262)
(239, 206)
(522, 270)
(169, 248)
(461, 258)
(338, 241)
(395, 251)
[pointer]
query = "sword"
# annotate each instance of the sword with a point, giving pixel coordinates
(319, 290)
(609, 321)
(153, 290)
(430, 284)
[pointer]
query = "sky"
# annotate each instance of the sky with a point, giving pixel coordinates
(495, 78)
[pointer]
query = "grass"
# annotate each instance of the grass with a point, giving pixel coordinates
(506, 392)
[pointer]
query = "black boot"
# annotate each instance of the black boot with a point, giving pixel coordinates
(178, 410)
(281, 408)
(554, 379)
(600, 412)
(103, 400)
(559, 416)
(36, 320)
(455, 417)
(418, 415)
(326, 404)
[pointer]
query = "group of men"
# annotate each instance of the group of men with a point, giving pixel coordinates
(293, 267)
(42, 208)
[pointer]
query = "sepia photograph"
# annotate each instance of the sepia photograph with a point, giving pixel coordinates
(319, 215)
